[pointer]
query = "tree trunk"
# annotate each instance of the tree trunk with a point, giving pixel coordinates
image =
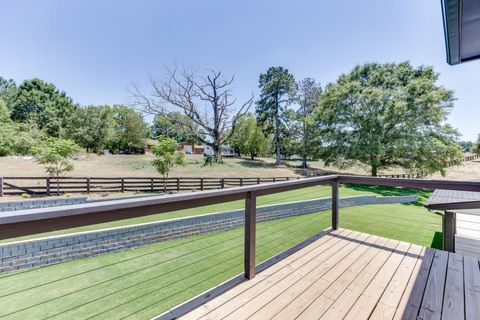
(304, 162)
(252, 156)
(374, 170)
(217, 153)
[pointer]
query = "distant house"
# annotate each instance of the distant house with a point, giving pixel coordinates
(190, 148)
(227, 151)
(148, 145)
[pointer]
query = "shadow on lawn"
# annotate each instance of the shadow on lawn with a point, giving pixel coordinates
(437, 241)
(423, 195)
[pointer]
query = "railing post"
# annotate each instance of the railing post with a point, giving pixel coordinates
(1, 186)
(122, 184)
(47, 186)
(88, 185)
(250, 226)
(335, 204)
(449, 229)
(222, 183)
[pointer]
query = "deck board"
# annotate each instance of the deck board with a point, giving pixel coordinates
(352, 275)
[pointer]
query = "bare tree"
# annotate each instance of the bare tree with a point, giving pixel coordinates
(207, 101)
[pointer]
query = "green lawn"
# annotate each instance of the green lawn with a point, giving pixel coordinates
(289, 196)
(143, 282)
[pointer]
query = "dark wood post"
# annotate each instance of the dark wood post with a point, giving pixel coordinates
(151, 185)
(201, 184)
(258, 180)
(250, 230)
(1, 186)
(122, 184)
(178, 184)
(335, 204)
(88, 185)
(47, 186)
(449, 229)
(222, 182)
(241, 182)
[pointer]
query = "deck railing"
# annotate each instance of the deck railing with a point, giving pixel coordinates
(35, 221)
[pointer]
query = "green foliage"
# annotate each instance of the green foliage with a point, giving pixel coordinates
(43, 103)
(55, 154)
(384, 115)
(476, 146)
(249, 137)
(18, 138)
(92, 127)
(4, 112)
(130, 130)
(171, 126)
(8, 91)
(466, 145)
(277, 87)
(167, 157)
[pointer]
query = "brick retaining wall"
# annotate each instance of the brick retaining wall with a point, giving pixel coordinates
(39, 203)
(39, 252)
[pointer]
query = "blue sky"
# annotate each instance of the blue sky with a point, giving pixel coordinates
(95, 49)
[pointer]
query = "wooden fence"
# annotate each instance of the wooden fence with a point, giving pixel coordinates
(49, 185)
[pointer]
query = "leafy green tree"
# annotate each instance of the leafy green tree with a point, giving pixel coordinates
(56, 155)
(4, 112)
(92, 127)
(466, 145)
(8, 91)
(308, 97)
(384, 115)
(277, 87)
(167, 157)
(249, 137)
(168, 126)
(43, 103)
(476, 146)
(129, 129)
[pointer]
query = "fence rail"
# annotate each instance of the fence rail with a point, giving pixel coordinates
(49, 185)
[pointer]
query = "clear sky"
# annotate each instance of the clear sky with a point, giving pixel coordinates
(95, 49)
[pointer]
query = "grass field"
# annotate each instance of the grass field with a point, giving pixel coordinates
(143, 282)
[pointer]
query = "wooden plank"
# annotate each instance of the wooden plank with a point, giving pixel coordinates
(367, 301)
(319, 299)
(472, 288)
(453, 301)
(316, 277)
(328, 260)
(432, 301)
(340, 307)
(412, 297)
(254, 300)
(387, 305)
(232, 293)
(231, 305)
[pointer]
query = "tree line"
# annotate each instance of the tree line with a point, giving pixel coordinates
(377, 115)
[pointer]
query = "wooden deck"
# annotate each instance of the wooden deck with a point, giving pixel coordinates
(352, 275)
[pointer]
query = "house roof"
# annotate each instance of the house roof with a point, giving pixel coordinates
(461, 22)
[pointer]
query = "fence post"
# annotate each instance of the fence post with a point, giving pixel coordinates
(151, 185)
(335, 204)
(241, 182)
(122, 184)
(222, 183)
(449, 229)
(250, 230)
(88, 185)
(258, 180)
(1, 186)
(47, 186)
(178, 184)
(201, 184)
(274, 179)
